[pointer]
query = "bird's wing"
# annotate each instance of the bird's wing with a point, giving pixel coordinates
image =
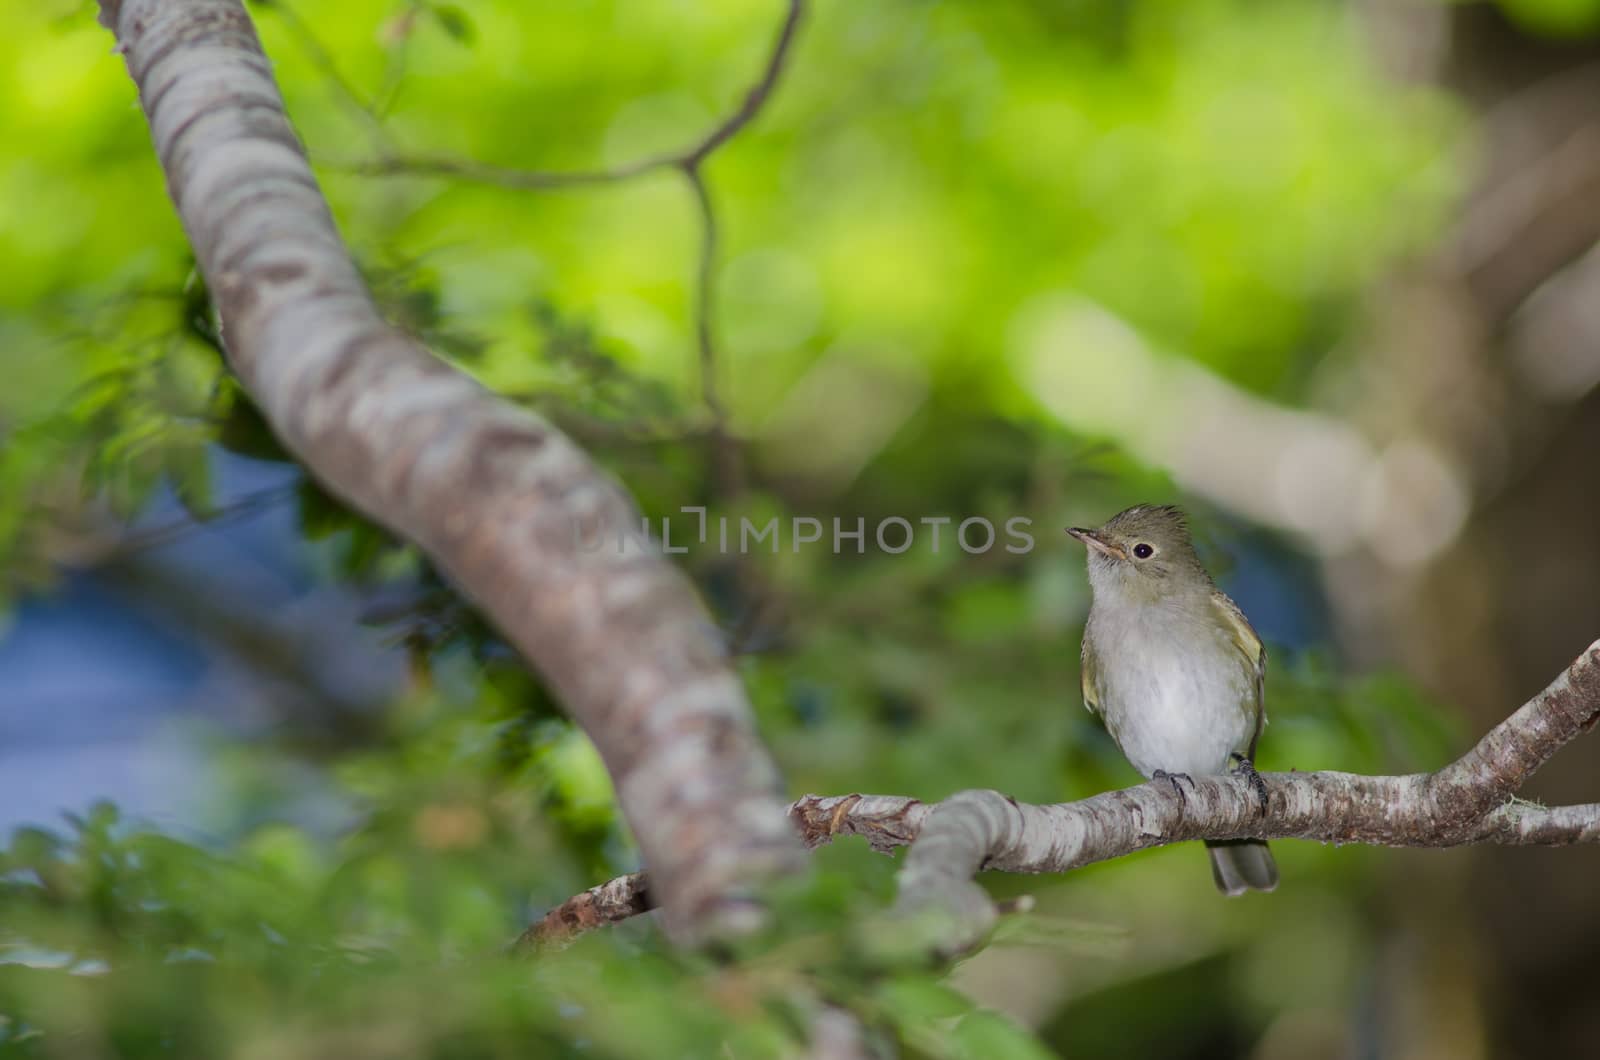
(1088, 677)
(1243, 637)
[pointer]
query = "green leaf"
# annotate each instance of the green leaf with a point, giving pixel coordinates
(991, 1036)
(918, 1000)
(244, 431)
(189, 475)
(453, 21)
(320, 515)
(1555, 18)
(33, 847)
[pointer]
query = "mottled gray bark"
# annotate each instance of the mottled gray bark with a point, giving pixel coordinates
(1469, 801)
(493, 494)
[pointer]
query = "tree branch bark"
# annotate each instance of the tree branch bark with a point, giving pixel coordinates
(1468, 801)
(497, 497)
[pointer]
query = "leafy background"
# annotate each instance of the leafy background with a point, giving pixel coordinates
(275, 791)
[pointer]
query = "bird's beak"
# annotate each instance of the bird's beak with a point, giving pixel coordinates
(1096, 542)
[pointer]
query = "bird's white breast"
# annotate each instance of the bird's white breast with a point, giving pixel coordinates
(1170, 702)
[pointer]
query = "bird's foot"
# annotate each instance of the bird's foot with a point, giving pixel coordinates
(1247, 769)
(1173, 778)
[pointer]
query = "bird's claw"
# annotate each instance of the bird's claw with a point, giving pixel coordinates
(1173, 778)
(1247, 769)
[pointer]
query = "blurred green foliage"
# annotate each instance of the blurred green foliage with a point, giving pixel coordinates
(1228, 177)
(1555, 18)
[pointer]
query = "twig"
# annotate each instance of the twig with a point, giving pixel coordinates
(686, 158)
(394, 72)
(503, 176)
(618, 899)
(756, 98)
(704, 295)
(146, 538)
(352, 97)
(726, 462)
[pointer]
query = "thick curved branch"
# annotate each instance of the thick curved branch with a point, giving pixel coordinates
(496, 496)
(1468, 801)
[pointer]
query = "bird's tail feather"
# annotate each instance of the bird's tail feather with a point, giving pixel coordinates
(1240, 865)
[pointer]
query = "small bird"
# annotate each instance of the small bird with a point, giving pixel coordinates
(1173, 667)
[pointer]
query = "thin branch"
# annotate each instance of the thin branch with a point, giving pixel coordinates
(402, 27)
(705, 296)
(347, 93)
(101, 541)
(503, 176)
(688, 157)
(726, 462)
(616, 900)
(1527, 823)
(1500, 763)
(833, 1033)
(756, 98)
(1467, 802)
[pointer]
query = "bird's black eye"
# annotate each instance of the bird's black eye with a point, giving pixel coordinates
(1143, 551)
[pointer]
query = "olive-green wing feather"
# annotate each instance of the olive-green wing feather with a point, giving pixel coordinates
(1244, 638)
(1087, 676)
